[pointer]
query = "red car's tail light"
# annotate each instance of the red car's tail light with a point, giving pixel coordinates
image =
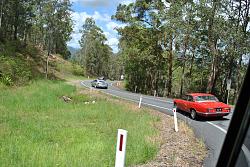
(227, 109)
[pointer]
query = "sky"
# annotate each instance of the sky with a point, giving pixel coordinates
(101, 11)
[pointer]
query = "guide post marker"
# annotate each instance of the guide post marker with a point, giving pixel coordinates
(175, 120)
(121, 148)
(140, 101)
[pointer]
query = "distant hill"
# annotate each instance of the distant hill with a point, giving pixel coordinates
(72, 50)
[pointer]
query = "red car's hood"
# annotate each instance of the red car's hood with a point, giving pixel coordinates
(214, 104)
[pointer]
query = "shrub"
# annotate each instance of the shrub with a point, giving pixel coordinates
(6, 80)
(14, 70)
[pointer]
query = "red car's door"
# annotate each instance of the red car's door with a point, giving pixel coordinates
(183, 103)
(189, 103)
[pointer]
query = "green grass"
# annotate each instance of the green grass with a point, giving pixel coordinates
(68, 70)
(37, 128)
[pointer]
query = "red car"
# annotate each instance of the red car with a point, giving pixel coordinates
(202, 104)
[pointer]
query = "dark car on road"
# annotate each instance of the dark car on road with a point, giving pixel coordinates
(99, 84)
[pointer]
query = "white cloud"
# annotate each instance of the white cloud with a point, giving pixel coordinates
(80, 17)
(112, 41)
(101, 17)
(74, 42)
(107, 34)
(92, 3)
(111, 26)
(74, 1)
(101, 3)
(106, 24)
(126, 2)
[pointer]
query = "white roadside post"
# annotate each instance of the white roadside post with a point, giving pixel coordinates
(140, 101)
(154, 93)
(175, 120)
(121, 148)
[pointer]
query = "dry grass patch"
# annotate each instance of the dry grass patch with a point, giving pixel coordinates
(179, 149)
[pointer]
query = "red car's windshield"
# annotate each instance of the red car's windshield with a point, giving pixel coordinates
(206, 98)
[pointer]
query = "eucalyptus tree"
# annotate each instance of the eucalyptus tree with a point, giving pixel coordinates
(45, 23)
(186, 45)
(140, 45)
(95, 53)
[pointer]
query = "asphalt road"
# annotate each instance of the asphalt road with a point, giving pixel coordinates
(211, 131)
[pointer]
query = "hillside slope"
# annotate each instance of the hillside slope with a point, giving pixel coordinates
(20, 64)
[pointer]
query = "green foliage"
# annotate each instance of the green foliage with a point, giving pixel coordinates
(46, 23)
(77, 70)
(116, 67)
(68, 70)
(19, 65)
(6, 80)
(175, 47)
(14, 70)
(95, 54)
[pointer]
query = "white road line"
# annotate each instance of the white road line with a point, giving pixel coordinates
(144, 96)
(82, 83)
(156, 106)
(158, 99)
(223, 130)
(138, 101)
(244, 148)
(247, 153)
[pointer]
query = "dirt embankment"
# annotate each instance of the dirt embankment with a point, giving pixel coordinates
(179, 149)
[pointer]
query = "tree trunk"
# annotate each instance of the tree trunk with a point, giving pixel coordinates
(47, 59)
(202, 74)
(182, 78)
(191, 66)
(47, 65)
(15, 32)
(212, 42)
(16, 19)
(238, 80)
(228, 76)
(216, 74)
(170, 66)
(1, 13)
(184, 64)
(244, 30)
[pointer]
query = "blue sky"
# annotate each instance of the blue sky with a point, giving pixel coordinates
(101, 11)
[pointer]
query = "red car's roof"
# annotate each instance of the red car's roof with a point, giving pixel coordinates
(200, 94)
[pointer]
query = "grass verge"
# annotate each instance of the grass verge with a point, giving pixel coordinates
(37, 128)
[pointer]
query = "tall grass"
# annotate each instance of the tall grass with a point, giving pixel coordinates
(37, 128)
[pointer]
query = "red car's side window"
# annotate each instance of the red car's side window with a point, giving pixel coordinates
(190, 98)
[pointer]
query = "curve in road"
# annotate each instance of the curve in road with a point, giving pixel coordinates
(211, 131)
